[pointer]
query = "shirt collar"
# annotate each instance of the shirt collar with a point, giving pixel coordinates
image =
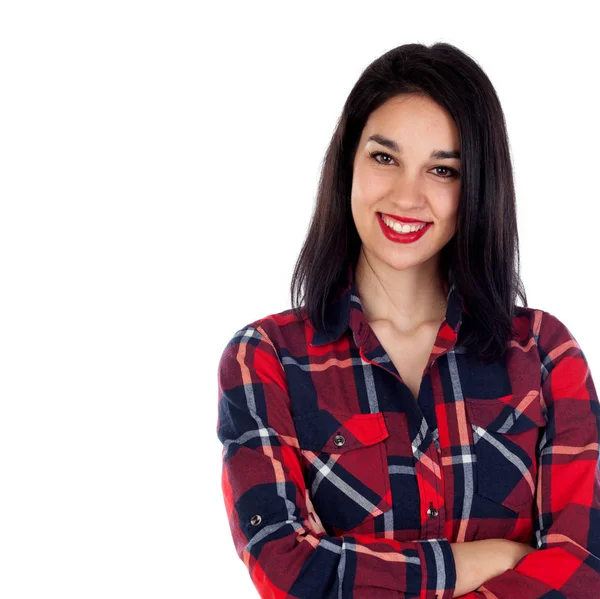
(346, 311)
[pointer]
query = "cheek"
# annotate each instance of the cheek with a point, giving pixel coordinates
(452, 221)
(358, 187)
(454, 216)
(368, 186)
(359, 197)
(447, 208)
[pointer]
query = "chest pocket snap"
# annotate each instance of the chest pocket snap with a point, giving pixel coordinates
(506, 435)
(346, 465)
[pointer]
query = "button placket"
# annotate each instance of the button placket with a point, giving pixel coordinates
(434, 521)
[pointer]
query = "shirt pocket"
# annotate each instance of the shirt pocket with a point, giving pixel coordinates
(506, 435)
(346, 465)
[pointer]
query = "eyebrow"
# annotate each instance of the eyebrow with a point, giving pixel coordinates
(392, 145)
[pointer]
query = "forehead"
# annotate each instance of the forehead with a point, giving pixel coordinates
(412, 117)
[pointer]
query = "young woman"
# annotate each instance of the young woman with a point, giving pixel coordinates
(408, 430)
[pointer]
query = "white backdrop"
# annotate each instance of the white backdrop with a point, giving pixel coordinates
(158, 169)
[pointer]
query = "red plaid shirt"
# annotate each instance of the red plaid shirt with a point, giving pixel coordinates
(338, 484)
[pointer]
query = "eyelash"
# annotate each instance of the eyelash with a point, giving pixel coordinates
(454, 172)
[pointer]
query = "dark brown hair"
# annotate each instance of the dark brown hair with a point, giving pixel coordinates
(482, 258)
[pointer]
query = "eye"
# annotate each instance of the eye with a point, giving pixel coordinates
(453, 172)
(375, 155)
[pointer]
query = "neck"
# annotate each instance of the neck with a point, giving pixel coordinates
(410, 299)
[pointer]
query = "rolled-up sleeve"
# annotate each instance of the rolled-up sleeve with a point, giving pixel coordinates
(266, 499)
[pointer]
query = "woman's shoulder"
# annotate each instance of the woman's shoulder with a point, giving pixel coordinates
(286, 328)
(539, 316)
(548, 330)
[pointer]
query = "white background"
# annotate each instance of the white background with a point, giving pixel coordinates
(158, 168)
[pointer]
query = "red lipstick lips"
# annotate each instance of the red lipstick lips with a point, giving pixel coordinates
(403, 237)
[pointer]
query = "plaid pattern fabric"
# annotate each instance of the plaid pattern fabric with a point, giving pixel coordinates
(338, 484)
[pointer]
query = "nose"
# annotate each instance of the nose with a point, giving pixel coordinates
(407, 193)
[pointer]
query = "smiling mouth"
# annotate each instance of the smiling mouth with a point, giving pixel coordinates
(405, 228)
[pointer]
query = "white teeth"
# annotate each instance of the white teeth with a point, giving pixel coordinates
(399, 227)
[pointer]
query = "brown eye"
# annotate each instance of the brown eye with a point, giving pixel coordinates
(385, 159)
(453, 172)
(375, 156)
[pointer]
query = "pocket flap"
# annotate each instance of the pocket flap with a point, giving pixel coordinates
(338, 432)
(514, 414)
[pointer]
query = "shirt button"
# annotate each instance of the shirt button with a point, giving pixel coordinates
(255, 520)
(432, 511)
(339, 440)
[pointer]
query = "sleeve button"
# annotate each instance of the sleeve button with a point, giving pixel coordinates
(255, 520)
(339, 440)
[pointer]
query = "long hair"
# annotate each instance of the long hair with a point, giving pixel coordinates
(482, 258)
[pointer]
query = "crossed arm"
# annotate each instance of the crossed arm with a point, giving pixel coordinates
(264, 493)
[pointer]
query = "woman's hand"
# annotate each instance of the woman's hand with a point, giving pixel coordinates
(478, 561)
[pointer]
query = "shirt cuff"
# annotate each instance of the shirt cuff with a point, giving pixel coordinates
(440, 569)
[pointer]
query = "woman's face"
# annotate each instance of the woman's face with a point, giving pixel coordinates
(405, 180)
